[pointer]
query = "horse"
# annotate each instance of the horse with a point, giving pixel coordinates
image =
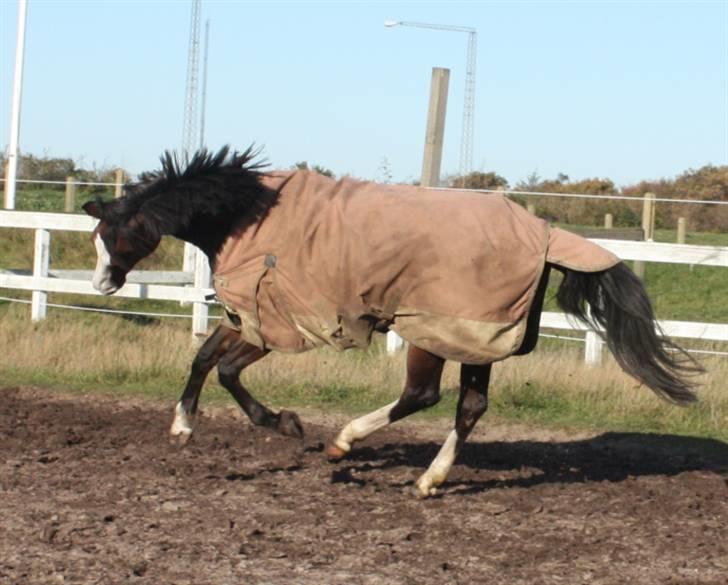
(300, 260)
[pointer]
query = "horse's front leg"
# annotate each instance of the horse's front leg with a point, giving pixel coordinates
(207, 358)
(240, 355)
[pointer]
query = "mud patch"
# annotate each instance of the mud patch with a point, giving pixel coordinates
(92, 492)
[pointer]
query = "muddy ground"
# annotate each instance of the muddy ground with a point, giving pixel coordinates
(91, 492)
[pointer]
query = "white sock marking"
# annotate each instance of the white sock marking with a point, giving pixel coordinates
(440, 466)
(363, 427)
(182, 425)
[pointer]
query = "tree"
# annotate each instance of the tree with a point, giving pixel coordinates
(48, 168)
(479, 180)
(706, 183)
(303, 166)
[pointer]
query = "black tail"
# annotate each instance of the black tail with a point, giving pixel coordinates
(618, 304)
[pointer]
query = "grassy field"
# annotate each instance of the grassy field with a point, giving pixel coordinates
(150, 357)
(551, 387)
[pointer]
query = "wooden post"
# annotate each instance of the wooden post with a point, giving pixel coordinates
(70, 201)
(608, 221)
(435, 128)
(648, 226)
(648, 217)
(681, 230)
(119, 183)
(41, 261)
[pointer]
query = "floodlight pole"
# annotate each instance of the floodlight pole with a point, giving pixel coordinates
(12, 168)
(468, 132)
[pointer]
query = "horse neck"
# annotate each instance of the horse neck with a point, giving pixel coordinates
(208, 234)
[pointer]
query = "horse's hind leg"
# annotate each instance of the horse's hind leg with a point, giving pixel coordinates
(473, 402)
(207, 357)
(422, 389)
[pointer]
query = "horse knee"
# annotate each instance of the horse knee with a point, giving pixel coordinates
(476, 403)
(227, 374)
(414, 399)
(429, 397)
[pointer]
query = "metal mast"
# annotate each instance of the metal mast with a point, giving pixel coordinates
(204, 83)
(189, 126)
(466, 141)
(468, 132)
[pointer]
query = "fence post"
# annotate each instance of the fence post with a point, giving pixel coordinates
(648, 225)
(681, 227)
(41, 261)
(608, 221)
(394, 342)
(70, 202)
(200, 310)
(648, 217)
(593, 349)
(531, 208)
(118, 183)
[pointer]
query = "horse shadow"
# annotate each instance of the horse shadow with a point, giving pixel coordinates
(612, 457)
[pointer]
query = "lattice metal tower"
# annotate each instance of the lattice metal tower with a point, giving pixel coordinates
(466, 141)
(189, 126)
(468, 132)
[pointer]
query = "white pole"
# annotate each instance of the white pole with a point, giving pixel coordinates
(202, 280)
(12, 170)
(41, 262)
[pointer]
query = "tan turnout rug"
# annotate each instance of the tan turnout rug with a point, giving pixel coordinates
(452, 272)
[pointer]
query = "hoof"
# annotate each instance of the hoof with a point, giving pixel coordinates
(422, 494)
(424, 489)
(289, 424)
(334, 453)
(179, 439)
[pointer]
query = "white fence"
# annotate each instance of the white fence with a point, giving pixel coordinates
(170, 285)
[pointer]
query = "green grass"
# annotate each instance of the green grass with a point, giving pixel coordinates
(550, 388)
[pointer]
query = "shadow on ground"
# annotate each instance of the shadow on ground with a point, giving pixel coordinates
(611, 457)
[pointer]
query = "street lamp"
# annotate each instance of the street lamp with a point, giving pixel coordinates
(466, 141)
(12, 168)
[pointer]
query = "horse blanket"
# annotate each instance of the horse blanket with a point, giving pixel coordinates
(330, 262)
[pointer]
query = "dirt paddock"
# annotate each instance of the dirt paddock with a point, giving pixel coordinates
(91, 492)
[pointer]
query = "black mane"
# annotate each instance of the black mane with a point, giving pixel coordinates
(195, 201)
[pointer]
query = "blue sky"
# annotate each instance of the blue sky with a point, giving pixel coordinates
(625, 90)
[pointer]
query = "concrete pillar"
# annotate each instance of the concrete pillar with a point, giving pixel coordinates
(608, 221)
(435, 133)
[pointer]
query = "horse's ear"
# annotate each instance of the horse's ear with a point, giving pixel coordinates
(93, 208)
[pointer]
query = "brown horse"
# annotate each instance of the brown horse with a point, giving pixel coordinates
(301, 261)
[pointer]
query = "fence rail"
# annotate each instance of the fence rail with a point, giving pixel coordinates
(145, 284)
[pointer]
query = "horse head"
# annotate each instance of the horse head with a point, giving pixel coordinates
(121, 241)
